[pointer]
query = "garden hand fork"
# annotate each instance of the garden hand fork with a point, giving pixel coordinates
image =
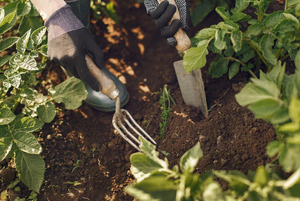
(122, 120)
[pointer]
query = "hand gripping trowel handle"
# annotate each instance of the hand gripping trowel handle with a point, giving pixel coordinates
(183, 41)
(191, 84)
(108, 87)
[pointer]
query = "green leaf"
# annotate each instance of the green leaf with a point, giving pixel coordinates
(189, 160)
(24, 8)
(206, 33)
(6, 116)
(223, 13)
(289, 157)
(261, 176)
(294, 110)
(253, 93)
(254, 29)
(7, 43)
(4, 59)
(28, 22)
(195, 57)
(280, 117)
(236, 39)
(291, 23)
(14, 79)
(233, 69)
(23, 41)
(273, 19)
(43, 50)
(2, 14)
(71, 92)
(289, 3)
(293, 19)
(277, 74)
(26, 62)
(227, 26)
(31, 168)
(234, 177)
(240, 5)
(294, 139)
(266, 44)
(246, 56)
(26, 142)
(218, 68)
(10, 8)
(27, 124)
(239, 17)
(155, 187)
(8, 22)
(30, 45)
(297, 9)
(46, 112)
(37, 35)
(220, 40)
(5, 147)
(288, 86)
(297, 60)
(269, 86)
(213, 192)
(289, 127)
(266, 108)
(142, 166)
(274, 147)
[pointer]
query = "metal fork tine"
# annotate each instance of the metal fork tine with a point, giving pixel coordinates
(138, 126)
(138, 133)
(129, 133)
(124, 136)
(119, 117)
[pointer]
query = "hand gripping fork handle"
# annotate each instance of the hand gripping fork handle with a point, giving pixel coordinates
(122, 121)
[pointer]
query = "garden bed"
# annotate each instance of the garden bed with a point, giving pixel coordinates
(87, 160)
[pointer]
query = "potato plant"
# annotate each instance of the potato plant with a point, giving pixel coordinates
(245, 43)
(23, 110)
(274, 97)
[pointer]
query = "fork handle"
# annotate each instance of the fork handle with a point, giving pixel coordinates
(108, 87)
(183, 41)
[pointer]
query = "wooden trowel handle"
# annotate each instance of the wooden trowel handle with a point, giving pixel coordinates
(108, 87)
(183, 41)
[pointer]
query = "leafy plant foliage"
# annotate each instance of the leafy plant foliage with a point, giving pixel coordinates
(272, 95)
(266, 38)
(23, 56)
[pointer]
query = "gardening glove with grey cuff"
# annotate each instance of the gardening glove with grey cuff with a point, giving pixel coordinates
(162, 14)
(68, 43)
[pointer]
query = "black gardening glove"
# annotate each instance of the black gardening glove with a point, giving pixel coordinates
(68, 43)
(163, 13)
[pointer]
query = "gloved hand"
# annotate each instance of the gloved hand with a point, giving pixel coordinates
(68, 43)
(163, 13)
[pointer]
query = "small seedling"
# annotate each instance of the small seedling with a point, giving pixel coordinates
(76, 165)
(165, 103)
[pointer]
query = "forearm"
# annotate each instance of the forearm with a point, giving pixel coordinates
(47, 7)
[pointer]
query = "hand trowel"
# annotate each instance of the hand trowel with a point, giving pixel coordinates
(191, 84)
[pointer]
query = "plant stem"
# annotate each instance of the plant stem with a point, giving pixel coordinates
(258, 53)
(278, 53)
(243, 64)
(286, 56)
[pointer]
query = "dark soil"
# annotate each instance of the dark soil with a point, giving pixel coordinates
(87, 160)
